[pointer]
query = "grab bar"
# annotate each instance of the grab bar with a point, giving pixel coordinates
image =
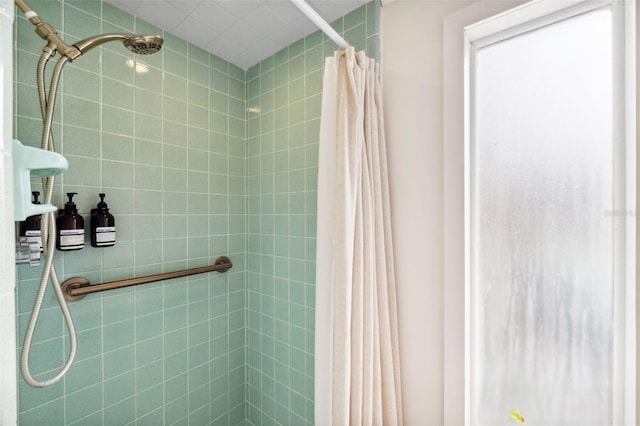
(77, 288)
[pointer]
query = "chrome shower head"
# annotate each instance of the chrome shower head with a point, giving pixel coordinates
(141, 44)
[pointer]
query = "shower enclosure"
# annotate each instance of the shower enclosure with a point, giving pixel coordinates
(198, 158)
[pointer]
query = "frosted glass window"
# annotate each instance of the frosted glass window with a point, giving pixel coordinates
(541, 225)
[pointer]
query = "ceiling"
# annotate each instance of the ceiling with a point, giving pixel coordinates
(242, 32)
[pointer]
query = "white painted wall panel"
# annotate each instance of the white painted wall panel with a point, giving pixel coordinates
(8, 388)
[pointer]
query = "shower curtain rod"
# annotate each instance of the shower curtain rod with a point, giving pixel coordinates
(320, 22)
(77, 288)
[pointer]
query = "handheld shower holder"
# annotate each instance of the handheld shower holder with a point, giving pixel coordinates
(32, 162)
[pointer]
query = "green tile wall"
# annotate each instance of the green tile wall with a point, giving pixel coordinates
(198, 158)
(283, 122)
(168, 149)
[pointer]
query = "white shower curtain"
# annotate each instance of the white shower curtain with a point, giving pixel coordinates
(357, 360)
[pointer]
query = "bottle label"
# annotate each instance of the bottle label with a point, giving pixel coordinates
(71, 239)
(105, 235)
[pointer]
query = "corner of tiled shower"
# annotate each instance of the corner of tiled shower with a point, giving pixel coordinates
(241, 163)
(8, 391)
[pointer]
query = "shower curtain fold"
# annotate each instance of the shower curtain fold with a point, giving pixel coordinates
(357, 357)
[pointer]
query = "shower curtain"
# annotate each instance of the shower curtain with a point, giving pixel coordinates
(357, 376)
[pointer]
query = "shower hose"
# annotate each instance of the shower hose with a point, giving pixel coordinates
(48, 226)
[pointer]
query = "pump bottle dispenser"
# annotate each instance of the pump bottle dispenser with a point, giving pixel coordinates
(103, 225)
(70, 227)
(30, 227)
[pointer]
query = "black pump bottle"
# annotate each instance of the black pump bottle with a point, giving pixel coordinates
(103, 225)
(70, 227)
(30, 227)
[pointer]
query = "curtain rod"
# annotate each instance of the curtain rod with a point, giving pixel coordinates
(310, 13)
(77, 287)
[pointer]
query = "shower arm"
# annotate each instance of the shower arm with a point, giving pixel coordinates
(48, 32)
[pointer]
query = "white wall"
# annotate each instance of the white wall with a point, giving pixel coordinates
(412, 72)
(8, 388)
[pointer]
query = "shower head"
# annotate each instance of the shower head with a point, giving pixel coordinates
(144, 44)
(140, 44)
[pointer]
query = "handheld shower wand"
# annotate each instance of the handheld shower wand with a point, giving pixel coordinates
(140, 44)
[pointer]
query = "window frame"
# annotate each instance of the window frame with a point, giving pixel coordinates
(485, 23)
